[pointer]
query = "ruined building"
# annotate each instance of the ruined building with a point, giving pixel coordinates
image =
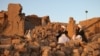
(91, 26)
(33, 20)
(43, 41)
(13, 19)
(14, 22)
(3, 21)
(71, 27)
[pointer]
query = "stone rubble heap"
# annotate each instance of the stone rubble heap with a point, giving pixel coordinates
(44, 43)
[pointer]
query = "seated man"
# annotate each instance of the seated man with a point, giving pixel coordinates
(79, 34)
(77, 37)
(62, 36)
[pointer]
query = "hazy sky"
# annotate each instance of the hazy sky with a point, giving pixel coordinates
(58, 10)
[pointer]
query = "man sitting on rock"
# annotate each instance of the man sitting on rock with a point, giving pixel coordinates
(79, 34)
(62, 36)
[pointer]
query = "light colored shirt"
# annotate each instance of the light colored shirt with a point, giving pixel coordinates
(78, 37)
(63, 38)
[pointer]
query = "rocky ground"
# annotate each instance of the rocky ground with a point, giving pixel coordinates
(44, 43)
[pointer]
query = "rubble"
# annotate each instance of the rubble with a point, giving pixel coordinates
(47, 45)
(43, 41)
(91, 26)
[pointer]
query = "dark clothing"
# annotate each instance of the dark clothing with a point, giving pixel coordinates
(60, 33)
(81, 32)
(83, 36)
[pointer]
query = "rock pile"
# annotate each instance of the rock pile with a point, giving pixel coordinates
(44, 43)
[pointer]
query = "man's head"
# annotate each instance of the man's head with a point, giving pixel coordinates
(63, 28)
(79, 26)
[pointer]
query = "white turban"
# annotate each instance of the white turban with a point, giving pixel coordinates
(79, 26)
(63, 27)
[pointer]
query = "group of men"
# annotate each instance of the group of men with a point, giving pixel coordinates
(62, 35)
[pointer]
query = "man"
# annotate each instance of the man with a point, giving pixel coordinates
(79, 34)
(62, 35)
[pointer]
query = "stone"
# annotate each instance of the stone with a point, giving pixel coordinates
(91, 26)
(3, 21)
(45, 20)
(3, 46)
(20, 47)
(69, 51)
(60, 53)
(16, 54)
(36, 44)
(6, 52)
(45, 50)
(96, 53)
(5, 41)
(98, 40)
(58, 47)
(31, 21)
(16, 22)
(71, 27)
(76, 52)
(53, 44)
(16, 41)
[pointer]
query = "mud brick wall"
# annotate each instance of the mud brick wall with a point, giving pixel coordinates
(16, 22)
(71, 26)
(91, 26)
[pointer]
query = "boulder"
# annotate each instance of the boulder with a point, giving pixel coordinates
(46, 50)
(53, 45)
(60, 53)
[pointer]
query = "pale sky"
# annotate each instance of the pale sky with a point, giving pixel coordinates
(58, 10)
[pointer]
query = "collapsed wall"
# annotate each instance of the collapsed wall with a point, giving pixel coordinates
(71, 27)
(3, 21)
(91, 26)
(15, 19)
(31, 21)
(45, 20)
(44, 43)
(14, 22)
